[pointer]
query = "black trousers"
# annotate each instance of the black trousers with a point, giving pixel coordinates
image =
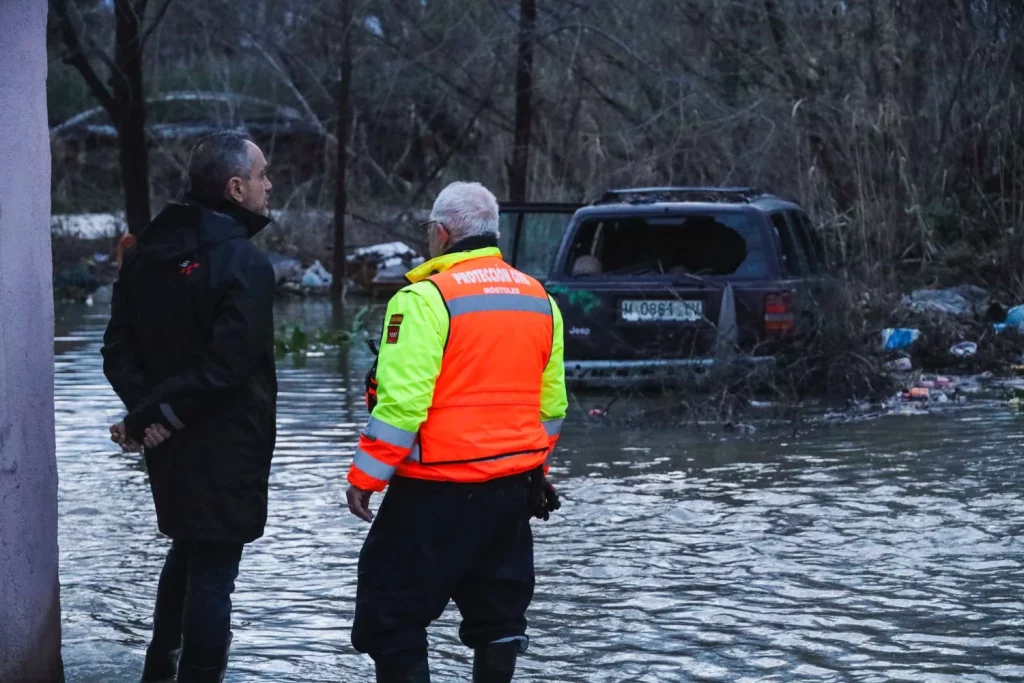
(193, 602)
(435, 541)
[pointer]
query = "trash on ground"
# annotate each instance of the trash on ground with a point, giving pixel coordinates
(1015, 316)
(317, 277)
(382, 267)
(964, 349)
(900, 365)
(963, 301)
(932, 389)
(602, 412)
(899, 337)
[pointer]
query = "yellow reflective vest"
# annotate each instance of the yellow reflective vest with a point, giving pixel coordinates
(415, 343)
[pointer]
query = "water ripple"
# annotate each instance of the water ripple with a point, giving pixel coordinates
(885, 551)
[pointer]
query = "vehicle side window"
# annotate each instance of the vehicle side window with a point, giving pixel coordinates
(794, 262)
(506, 235)
(817, 245)
(538, 244)
(804, 240)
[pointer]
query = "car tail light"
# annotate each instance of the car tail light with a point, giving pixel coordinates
(778, 313)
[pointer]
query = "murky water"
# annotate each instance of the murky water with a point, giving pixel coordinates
(881, 551)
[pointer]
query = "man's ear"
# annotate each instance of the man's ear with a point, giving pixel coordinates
(234, 189)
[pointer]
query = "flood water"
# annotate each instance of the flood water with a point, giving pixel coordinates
(881, 551)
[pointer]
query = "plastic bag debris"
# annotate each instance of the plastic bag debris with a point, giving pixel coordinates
(317, 277)
(964, 349)
(900, 365)
(899, 337)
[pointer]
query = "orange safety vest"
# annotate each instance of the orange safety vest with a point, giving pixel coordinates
(484, 421)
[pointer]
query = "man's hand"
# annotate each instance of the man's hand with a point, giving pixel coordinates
(156, 434)
(543, 496)
(359, 503)
(119, 435)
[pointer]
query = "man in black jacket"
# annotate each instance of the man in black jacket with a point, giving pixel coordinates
(190, 351)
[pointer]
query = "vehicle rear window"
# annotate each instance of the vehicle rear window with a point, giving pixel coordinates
(726, 243)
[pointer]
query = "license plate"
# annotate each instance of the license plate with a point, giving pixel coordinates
(667, 310)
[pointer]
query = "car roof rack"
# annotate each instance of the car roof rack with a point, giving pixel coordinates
(650, 195)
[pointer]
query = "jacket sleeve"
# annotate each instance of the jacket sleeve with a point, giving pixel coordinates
(408, 365)
(121, 363)
(243, 332)
(553, 401)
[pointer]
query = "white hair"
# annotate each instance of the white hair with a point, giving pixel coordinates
(466, 209)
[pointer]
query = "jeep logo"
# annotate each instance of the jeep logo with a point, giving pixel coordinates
(579, 331)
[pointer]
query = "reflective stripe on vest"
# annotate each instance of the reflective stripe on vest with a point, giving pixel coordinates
(477, 303)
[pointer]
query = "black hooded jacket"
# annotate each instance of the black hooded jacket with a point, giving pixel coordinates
(190, 345)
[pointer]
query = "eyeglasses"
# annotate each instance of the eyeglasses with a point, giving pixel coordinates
(425, 225)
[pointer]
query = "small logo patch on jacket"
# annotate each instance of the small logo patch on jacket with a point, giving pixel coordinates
(394, 325)
(187, 267)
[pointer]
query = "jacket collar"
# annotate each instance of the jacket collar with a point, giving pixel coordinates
(252, 222)
(474, 247)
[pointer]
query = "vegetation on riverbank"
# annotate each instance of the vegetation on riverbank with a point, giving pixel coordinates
(896, 124)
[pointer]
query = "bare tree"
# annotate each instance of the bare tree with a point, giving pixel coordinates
(519, 169)
(344, 124)
(123, 97)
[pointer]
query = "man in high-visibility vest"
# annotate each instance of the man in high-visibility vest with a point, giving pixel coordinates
(469, 400)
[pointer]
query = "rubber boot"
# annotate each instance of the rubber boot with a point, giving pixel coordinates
(495, 663)
(190, 673)
(160, 666)
(417, 671)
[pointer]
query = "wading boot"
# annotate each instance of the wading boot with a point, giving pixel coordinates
(417, 671)
(189, 672)
(160, 666)
(496, 662)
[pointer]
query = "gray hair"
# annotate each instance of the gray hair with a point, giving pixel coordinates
(215, 160)
(466, 209)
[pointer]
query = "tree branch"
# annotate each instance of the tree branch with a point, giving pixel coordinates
(290, 85)
(156, 22)
(76, 58)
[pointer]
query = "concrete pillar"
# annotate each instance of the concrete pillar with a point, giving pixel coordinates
(29, 588)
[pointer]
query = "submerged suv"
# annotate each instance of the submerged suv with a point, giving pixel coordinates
(653, 280)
